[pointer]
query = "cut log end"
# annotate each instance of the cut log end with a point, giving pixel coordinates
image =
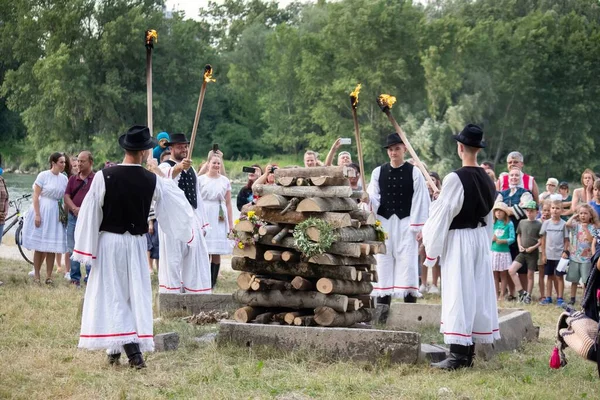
(247, 314)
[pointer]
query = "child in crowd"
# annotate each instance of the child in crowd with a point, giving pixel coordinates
(504, 236)
(163, 138)
(555, 242)
(582, 227)
(544, 216)
(595, 203)
(528, 239)
(563, 189)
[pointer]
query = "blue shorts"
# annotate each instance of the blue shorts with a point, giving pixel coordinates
(550, 268)
(152, 240)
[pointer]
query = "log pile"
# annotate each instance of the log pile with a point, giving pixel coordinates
(278, 284)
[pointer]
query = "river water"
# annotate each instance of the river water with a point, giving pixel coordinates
(20, 184)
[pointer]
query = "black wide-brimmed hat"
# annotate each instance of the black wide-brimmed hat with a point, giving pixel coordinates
(177, 138)
(137, 138)
(471, 135)
(392, 139)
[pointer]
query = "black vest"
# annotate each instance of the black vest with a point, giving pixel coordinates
(480, 194)
(129, 192)
(187, 183)
(396, 190)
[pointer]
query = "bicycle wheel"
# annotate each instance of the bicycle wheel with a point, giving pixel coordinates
(19, 242)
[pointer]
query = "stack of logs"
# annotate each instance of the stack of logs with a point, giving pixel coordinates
(277, 284)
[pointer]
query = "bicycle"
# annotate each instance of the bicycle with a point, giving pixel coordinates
(18, 219)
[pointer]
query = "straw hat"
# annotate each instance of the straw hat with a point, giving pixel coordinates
(500, 205)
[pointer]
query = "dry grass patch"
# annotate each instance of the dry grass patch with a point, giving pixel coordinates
(39, 329)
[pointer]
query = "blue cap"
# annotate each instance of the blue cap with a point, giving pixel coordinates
(163, 135)
(1, 171)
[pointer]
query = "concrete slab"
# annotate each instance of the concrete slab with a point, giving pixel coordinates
(516, 325)
(433, 353)
(166, 341)
(188, 304)
(411, 316)
(336, 343)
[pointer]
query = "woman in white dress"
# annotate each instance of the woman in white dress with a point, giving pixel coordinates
(43, 232)
(216, 195)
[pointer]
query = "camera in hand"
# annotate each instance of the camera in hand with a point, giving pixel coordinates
(215, 147)
(248, 170)
(345, 140)
(272, 169)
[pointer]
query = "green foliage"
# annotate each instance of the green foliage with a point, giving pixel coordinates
(307, 247)
(72, 76)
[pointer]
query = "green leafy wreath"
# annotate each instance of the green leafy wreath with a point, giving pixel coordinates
(307, 246)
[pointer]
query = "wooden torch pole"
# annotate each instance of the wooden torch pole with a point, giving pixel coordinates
(206, 77)
(353, 104)
(410, 149)
(150, 37)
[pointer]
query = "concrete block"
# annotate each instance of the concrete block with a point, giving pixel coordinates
(166, 341)
(515, 328)
(515, 324)
(188, 304)
(411, 316)
(433, 353)
(334, 343)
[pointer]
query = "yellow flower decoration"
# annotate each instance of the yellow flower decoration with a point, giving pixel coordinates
(378, 223)
(241, 245)
(237, 221)
(251, 214)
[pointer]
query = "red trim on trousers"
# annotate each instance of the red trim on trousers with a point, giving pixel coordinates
(197, 290)
(170, 288)
(395, 287)
(115, 335)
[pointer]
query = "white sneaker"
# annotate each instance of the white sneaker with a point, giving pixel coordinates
(68, 276)
(31, 273)
(434, 289)
(423, 289)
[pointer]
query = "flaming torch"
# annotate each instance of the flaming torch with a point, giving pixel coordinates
(385, 102)
(354, 104)
(207, 77)
(150, 37)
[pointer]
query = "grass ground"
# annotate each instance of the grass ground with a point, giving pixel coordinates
(39, 359)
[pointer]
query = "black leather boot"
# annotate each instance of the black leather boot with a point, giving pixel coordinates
(384, 300)
(460, 357)
(136, 360)
(471, 355)
(409, 298)
(214, 273)
(114, 359)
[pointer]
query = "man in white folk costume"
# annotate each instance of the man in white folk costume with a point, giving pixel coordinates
(399, 197)
(110, 236)
(460, 230)
(183, 268)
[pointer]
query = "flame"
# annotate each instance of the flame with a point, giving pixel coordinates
(151, 37)
(208, 71)
(354, 95)
(386, 100)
